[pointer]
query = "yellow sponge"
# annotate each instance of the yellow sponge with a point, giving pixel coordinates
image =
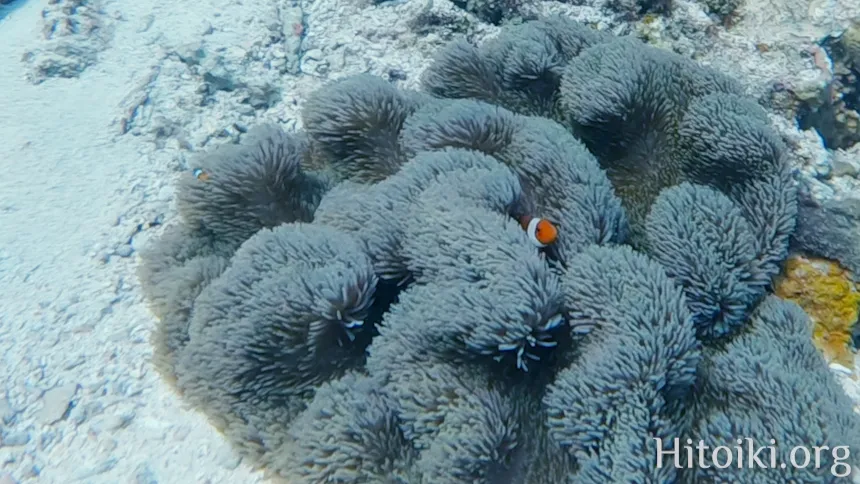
(828, 295)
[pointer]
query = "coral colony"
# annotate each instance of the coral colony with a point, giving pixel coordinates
(358, 302)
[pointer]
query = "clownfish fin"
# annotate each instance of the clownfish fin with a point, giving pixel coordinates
(524, 221)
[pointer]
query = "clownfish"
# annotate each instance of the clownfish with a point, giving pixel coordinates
(540, 231)
(200, 174)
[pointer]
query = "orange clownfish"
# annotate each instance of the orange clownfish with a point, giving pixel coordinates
(540, 231)
(200, 174)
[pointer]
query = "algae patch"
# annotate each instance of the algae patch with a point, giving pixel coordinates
(826, 292)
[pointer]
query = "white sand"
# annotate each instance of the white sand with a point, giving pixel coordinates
(80, 402)
(70, 190)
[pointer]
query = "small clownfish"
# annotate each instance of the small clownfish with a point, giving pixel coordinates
(200, 174)
(540, 231)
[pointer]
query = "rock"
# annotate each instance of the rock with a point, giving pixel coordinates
(6, 478)
(396, 75)
(846, 162)
(838, 369)
(7, 413)
(144, 475)
(217, 76)
(834, 113)
(855, 337)
(829, 228)
(34, 471)
(15, 439)
(842, 167)
(124, 250)
(815, 189)
(850, 41)
(75, 32)
(293, 32)
(109, 423)
(263, 96)
(100, 468)
(723, 9)
(190, 54)
(823, 168)
(315, 63)
(108, 445)
(228, 459)
(57, 403)
(46, 440)
(809, 149)
(83, 413)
